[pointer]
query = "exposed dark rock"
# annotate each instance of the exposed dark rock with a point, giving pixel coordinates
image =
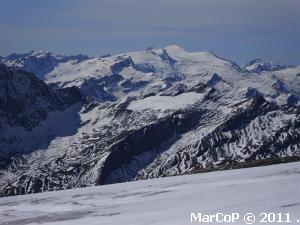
(25, 100)
(121, 64)
(257, 107)
(145, 139)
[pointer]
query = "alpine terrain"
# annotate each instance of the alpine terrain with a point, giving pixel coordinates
(76, 121)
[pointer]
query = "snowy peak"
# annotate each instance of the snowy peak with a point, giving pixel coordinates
(166, 57)
(181, 52)
(31, 53)
(258, 66)
(44, 55)
(39, 62)
(254, 61)
(200, 62)
(174, 47)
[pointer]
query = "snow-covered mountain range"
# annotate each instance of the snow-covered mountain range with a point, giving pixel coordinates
(139, 115)
(40, 62)
(258, 65)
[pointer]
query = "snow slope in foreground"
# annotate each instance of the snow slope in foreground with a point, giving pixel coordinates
(163, 201)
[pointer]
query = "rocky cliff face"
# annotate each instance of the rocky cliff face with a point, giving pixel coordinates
(147, 114)
(25, 102)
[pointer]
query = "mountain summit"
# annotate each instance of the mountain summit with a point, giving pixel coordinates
(258, 66)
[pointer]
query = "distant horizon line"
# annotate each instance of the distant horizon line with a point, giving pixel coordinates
(32, 51)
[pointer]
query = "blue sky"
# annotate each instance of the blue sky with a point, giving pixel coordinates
(239, 30)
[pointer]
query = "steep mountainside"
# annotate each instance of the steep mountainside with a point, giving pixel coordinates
(152, 113)
(25, 102)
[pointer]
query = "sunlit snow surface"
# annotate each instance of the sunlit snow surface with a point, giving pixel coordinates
(166, 102)
(163, 201)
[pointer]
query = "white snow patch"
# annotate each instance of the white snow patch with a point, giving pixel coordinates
(166, 102)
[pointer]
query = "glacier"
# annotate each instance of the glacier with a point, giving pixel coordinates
(164, 201)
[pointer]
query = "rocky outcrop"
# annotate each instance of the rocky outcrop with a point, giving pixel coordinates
(147, 139)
